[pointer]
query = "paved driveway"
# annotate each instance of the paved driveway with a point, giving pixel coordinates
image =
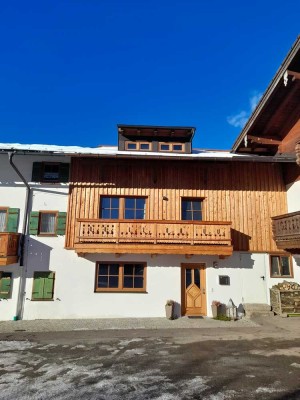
(254, 362)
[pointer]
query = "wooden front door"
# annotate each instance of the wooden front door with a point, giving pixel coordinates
(193, 289)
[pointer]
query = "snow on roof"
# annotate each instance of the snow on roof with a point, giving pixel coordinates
(114, 152)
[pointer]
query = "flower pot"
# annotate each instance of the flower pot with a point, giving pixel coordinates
(214, 310)
(169, 311)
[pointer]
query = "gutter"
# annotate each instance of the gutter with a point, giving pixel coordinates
(21, 294)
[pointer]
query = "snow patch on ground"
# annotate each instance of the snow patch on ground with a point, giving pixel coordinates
(14, 345)
(296, 365)
(125, 343)
(292, 351)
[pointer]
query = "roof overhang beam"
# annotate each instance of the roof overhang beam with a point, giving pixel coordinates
(264, 140)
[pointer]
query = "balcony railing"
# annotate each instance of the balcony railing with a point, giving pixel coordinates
(286, 230)
(154, 232)
(9, 244)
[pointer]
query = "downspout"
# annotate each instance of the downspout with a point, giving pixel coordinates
(21, 294)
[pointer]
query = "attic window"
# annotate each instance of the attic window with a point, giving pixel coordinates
(50, 172)
(168, 147)
(142, 146)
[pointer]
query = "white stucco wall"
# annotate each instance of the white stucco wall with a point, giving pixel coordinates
(13, 195)
(74, 295)
(293, 197)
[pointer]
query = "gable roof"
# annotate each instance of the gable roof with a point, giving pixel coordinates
(277, 111)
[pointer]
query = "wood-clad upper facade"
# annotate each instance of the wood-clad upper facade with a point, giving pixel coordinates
(238, 200)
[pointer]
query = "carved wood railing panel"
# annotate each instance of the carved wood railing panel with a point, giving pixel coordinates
(286, 227)
(9, 243)
(157, 232)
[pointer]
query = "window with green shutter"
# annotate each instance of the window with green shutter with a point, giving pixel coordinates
(47, 223)
(5, 285)
(9, 219)
(52, 172)
(43, 285)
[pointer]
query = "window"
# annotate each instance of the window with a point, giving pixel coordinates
(120, 277)
(224, 280)
(134, 208)
(110, 207)
(171, 147)
(5, 285)
(3, 218)
(9, 219)
(122, 207)
(145, 146)
(280, 266)
(50, 172)
(43, 285)
(47, 223)
(191, 209)
(164, 147)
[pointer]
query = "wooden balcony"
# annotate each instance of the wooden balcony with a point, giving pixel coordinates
(9, 244)
(153, 237)
(286, 231)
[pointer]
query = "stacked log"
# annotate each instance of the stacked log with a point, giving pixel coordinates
(285, 298)
(298, 153)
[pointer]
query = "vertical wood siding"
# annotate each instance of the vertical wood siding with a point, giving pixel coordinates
(247, 194)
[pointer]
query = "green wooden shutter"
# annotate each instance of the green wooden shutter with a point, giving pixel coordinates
(34, 223)
(5, 285)
(12, 220)
(43, 284)
(37, 290)
(64, 172)
(61, 223)
(37, 168)
(48, 286)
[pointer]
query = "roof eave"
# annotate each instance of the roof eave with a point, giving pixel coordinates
(278, 76)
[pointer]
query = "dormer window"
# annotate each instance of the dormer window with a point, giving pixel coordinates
(175, 147)
(156, 139)
(138, 146)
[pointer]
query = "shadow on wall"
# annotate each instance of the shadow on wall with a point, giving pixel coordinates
(240, 240)
(38, 255)
(246, 262)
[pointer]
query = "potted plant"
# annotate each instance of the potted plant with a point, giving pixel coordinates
(169, 307)
(214, 308)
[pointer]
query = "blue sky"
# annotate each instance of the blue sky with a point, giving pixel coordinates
(70, 71)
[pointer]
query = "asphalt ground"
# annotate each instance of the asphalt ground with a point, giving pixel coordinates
(257, 359)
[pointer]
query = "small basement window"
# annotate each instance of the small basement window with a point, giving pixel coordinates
(224, 280)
